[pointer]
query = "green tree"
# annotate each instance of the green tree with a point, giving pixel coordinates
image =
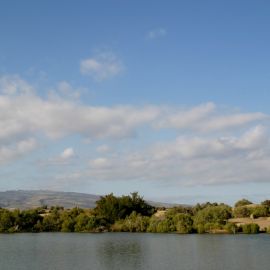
(266, 203)
(51, 222)
(259, 211)
(183, 223)
(28, 219)
(241, 212)
(242, 202)
(112, 208)
(212, 217)
(6, 221)
(165, 226)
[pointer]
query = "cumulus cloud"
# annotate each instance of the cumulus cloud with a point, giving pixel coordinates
(231, 121)
(22, 115)
(210, 146)
(186, 118)
(64, 90)
(206, 118)
(14, 85)
(11, 152)
(67, 153)
(102, 66)
(157, 33)
(191, 161)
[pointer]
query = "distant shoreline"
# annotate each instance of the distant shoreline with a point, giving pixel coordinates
(131, 213)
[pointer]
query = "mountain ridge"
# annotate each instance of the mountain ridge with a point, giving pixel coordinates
(27, 199)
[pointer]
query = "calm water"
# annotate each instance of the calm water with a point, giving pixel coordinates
(116, 251)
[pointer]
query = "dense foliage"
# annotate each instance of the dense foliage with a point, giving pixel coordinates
(132, 214)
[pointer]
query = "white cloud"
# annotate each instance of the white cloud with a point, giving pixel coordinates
(102, 66)
(14, 85)
(190, 161)
(11, 152)
(100, 163)
(23, 115)
(221, 147)
(206, 118)
(67, 153)
(186, 118)
(65, 91)
(157, 33)
(231, 121)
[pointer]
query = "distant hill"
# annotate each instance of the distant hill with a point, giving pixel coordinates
(25, 199)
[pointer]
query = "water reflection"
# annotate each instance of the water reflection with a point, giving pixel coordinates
(119, 252)
(126, 251)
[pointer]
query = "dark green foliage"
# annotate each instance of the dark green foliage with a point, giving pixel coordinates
(242, 202)
(241, 212)
(183, 223)
(266, 203)
(28, 219)
(7, 220)
(165, 226)
(212, 217)
(153, 224)
(130, 214)
(52, 222)
(112, 208)
(180, 210)
(133, 223)
(250, 228)
(200, 228)
(231, 228)
(259, 211)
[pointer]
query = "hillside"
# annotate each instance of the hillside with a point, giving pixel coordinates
(25, 199)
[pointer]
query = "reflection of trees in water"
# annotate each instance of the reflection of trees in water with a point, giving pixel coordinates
(115, 254)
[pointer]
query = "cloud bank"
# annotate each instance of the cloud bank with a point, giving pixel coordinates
(201, 145)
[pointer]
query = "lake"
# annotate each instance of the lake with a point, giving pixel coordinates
(116, 251)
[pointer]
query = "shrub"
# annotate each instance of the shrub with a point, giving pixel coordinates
(165, 226)
(200, 229)
(231, 228)
(241, 212)
(242, 202)
(252, 228)
(183, 223)
(214, 216)
(259, 211)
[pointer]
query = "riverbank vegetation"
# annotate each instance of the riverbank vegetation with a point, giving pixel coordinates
(133, 214)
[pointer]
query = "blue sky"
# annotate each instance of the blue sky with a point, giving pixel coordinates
(166, 98)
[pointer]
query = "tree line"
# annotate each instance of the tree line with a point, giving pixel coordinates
(133, 214)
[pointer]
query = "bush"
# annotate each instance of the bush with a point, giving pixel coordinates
(252, 228)
(183, 223)
(259, 211)
(242, 202)
(200, 229)
(231, 228)
(164, 226)
(266, 203)
(241, 212)
(214, 216)
(134, 223)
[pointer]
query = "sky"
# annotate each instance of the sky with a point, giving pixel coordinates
(167, 98)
